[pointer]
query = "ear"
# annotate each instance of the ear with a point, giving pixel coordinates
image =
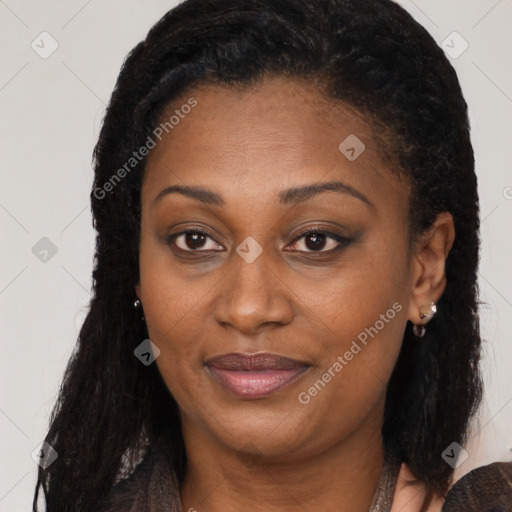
(428, 265)
(137, 289)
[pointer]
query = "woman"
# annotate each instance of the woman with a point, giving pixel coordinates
(285, 299)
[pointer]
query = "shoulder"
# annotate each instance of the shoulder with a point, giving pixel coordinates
(485, 489)
(152, 487)
(410, 493)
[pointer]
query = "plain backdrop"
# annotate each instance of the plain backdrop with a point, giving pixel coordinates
(51, 108)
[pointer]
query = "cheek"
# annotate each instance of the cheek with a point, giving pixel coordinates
(172, 313)
(362, 290)
(168, 302)
(363, 315)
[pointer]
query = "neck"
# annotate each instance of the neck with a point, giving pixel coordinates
(343, 477)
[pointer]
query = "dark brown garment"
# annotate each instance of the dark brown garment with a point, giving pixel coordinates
(485, 489)
(153, 487)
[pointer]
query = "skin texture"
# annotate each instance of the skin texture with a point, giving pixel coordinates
(248, 145)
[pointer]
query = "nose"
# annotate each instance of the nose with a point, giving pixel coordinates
(252, 297)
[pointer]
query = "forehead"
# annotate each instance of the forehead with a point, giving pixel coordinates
(260, 138)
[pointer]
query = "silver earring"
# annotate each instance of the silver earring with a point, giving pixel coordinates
(426, 314)
(138, 305)
(428, 311)
(418, 330)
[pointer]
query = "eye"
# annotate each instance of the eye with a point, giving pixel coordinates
(194, 240)
(317, 240)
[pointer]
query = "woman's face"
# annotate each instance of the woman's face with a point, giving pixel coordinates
(325, 312)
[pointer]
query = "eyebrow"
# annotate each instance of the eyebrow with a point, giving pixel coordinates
(289, 196)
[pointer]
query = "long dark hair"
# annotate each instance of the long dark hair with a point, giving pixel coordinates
(369, 54)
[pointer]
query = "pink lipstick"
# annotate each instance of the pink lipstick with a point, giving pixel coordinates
(254, 376)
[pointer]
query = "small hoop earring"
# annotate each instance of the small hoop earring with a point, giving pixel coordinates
(418, 330)
(138, 305)
(428, 311)
(426, 314)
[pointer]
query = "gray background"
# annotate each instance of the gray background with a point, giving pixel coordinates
(51, 109)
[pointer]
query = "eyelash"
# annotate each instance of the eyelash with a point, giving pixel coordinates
(342, 241)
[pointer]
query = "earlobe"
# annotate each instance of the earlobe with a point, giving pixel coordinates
(428, 270)
(137, 290)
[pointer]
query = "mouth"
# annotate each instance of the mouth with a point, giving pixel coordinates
(253, 376)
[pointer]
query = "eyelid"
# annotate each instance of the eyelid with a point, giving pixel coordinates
(342, 240)
(172, 238)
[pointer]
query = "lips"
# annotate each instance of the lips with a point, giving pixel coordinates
(254, 376)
